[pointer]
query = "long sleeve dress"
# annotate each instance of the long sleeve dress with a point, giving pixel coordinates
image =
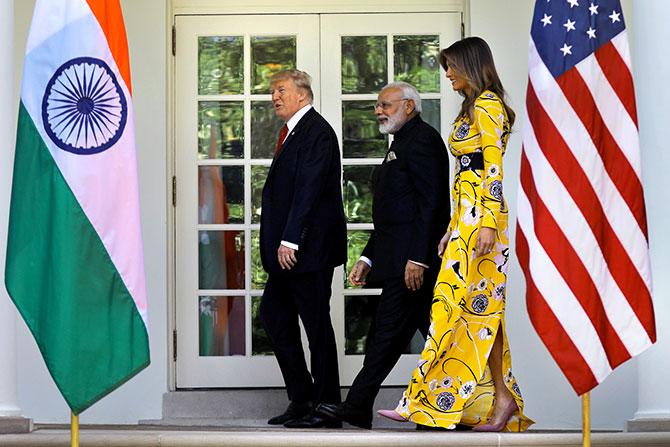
(452, 382)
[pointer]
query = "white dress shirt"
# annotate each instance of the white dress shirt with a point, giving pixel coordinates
(290, 124)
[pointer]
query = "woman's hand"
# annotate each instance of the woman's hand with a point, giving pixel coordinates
(485, 241)
(443, 243)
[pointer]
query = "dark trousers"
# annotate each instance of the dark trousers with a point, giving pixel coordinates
(288, 296)
(399, 314)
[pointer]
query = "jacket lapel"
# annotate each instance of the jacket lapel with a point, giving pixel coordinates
(292, 136)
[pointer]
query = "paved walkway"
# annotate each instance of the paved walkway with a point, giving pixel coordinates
(249, 437)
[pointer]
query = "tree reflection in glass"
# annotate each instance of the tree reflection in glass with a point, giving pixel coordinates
(357, 192)
(415, 60)
(260, 342)
(269, 55)
(258, 176)
(258, 275)
(360, 131)
(265, 127)
(431, 112)
(220, 129)
(364, 64)
(220, 65)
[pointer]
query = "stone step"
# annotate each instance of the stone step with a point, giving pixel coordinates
(254, 437)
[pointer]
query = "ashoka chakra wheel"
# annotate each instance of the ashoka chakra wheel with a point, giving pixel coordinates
(84, 109)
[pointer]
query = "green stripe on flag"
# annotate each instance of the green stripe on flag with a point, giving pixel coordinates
(64, 283)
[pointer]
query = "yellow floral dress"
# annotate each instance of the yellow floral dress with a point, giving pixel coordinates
(452, 382)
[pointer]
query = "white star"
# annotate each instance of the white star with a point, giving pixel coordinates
(566, 49)
(569, 25)
(573, 3)
(591, 32)
(546, 20)
(594, 9)
(614, 16)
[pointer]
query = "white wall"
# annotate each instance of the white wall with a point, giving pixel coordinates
(141, 397)
(505, 25)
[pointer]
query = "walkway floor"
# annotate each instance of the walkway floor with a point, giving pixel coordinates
(138, 436)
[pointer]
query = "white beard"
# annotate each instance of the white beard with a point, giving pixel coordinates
(392, 124)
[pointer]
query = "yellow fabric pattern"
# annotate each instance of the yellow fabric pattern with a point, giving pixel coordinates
(452, 383)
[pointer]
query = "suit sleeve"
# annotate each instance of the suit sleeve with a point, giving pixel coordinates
(369, 250)
(429, 179)
(310, 179)
(490, 120)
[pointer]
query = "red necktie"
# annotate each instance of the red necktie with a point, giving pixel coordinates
(282, 136)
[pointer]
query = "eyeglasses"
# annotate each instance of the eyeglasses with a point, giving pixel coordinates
(384, 105)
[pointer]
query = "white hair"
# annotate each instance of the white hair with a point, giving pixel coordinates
(408, 92)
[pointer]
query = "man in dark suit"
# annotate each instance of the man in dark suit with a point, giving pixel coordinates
(302, 240)
(410, 212)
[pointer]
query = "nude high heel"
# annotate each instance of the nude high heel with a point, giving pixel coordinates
(503, 419)
(392, 414)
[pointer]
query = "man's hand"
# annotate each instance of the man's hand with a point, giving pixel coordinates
(413, 276)
(485, 241)
(358, 274)
(286, 257)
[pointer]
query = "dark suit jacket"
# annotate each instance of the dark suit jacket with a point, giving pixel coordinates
(410, 208)
(302, 199)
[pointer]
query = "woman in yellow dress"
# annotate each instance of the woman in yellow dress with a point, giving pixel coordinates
(464, 375)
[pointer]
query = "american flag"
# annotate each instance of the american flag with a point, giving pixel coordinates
(582, 230)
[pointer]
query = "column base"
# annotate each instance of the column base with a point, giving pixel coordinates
(15, 424)
(650, 423)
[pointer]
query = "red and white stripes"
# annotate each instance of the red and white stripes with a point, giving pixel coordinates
(582, 233)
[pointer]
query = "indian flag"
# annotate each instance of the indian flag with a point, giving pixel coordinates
(75, 268)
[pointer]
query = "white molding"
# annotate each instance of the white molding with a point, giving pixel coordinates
(180, 7)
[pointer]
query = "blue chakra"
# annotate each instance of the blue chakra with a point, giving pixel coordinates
(84, 109)
(496, 189)
(462, 131)
(480, 303)
(445, 401)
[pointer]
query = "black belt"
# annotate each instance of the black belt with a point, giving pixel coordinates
(470, 162)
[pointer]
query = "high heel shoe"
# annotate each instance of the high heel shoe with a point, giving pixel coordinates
(503, 419)
(392, 414)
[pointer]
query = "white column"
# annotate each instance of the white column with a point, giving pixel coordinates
(8, 401)
(650, 37)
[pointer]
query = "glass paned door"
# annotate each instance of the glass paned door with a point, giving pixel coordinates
(225, 133)
(365, 52)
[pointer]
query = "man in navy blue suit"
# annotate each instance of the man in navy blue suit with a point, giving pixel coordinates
(302, 240)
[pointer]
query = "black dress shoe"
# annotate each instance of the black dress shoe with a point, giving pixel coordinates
(294, 411)
(313, 420)
(347, 413)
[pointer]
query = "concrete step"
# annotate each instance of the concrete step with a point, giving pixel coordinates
(254, 437)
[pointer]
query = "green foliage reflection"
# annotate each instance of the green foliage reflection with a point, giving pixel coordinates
(220, 65)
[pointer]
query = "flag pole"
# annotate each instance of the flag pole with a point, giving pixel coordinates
(74, 430)
(586, 420)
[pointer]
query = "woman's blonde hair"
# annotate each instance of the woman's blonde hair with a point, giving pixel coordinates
(472, 59)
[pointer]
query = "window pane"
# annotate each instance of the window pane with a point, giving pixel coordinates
(359, 311)
(220, 129)
(360, 131)
(364, 64)
(431, 112)
(415, 60)
(260, 342)
(221, 325)
(258, 275)
(220, 65)
(270, 54)
(221, 259)
(220, 194)
(357, 192)
(265, 127)
(258, 176)
(356, 241)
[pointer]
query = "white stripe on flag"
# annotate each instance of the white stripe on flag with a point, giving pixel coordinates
(620, 42)
(559, 298)
(614, 114)
(572, 222)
